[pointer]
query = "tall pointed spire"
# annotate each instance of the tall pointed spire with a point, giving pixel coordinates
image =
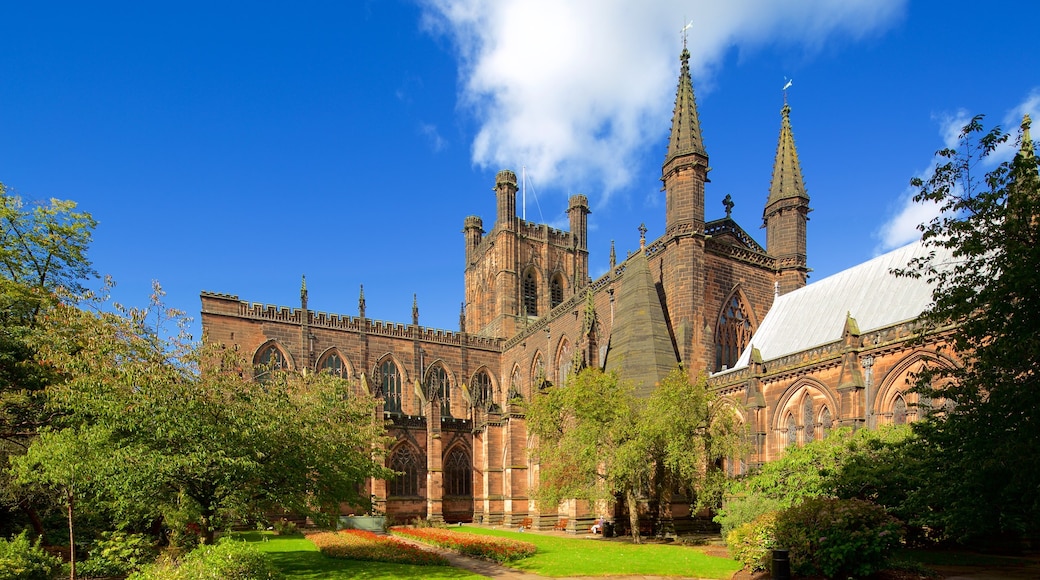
(787, 171)
(686, 127)
(1025, 150)
(787, 211)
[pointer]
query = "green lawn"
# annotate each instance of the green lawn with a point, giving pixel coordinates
(298, 558)
(594, 557)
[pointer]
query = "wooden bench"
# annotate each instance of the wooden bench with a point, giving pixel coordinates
(561, 525)
(525, 524)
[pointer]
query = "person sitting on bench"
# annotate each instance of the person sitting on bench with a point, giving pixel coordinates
(597, 528)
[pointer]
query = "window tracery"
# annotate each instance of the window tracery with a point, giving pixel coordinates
(732, 333)
(409, 465)
(391, 386)
(269, 360)
(530, 293)
(458, 476)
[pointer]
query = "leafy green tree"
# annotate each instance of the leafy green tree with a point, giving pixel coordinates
(597, 441)
(981, 447)
(192, 432)
(43, 248)
(63, 463)
(876, 465)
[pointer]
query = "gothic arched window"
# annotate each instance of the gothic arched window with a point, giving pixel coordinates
(481, 389)
(390, 381)
(563, 363)
(458, 477)
(732, 333)
(530, 293)
(438, 383)
(514, 385)
(825, 422)
(810, 421)
(409, 466)
(555, 292)
(792, 430)
(899, 411)
(332, 364)
(268, 360)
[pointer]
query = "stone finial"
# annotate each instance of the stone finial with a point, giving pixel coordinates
(462, 317)
(303, 293)
(613, 256)
(642, 236)
(361, 302)
(415, 309)
(727, 202)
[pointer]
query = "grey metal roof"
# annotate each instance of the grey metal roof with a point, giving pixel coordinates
(869, 292)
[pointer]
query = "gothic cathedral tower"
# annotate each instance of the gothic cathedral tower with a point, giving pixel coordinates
(787, 211)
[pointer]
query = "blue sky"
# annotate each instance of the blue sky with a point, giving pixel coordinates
(234, 147)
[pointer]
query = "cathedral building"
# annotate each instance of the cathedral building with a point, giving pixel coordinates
(793, 360)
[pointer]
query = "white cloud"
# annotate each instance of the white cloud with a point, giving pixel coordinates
(573, 89)
(901, 229)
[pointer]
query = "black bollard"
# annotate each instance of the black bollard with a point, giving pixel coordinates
(781, 565)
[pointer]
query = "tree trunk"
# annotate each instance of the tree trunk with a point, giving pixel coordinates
(633, 516)
(207, 528)
(34, 517)
(72, 541)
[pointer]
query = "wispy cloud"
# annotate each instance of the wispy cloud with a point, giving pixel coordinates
(573, 89)
(433, 137)
(901, 228)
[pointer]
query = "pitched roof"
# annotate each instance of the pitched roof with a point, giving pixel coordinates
(640, 346)
(869, 292)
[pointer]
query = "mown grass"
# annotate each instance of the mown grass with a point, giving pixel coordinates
(299, 559)
(558, 557)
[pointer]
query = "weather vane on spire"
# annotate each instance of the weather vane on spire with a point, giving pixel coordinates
(787, 85)
(683, 32)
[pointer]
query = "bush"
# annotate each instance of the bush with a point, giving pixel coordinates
(837, 537)
(21, 559)
(284, 527)
(752, 543)
(499, 550)
(744, 509)
(367, 546)
(117, 554)
(227, 560)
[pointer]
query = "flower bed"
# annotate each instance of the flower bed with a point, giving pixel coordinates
(485, 547)
(362, 545)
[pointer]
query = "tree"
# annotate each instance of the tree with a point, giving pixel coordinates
(63, 463)
(190, 430)
(43, 248)
(981, 447)
(596, 441)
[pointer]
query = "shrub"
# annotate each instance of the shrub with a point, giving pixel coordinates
(367, 546)
(117, 554)
(227, 560)
(744, 509)
(488, 548)
(284, 527)
(24, 560)
(837, 537)
(752, 543)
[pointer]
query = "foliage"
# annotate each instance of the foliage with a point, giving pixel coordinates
(847, 463)
(190, 431)
(597, 441)
(227, 560)
(988, 292)
(21, 559)
(117, 554)
(752, 543)
(367, 546)
(43, 247)
(63, 463)
(837, 537)
(495, 549)
(284, 527)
